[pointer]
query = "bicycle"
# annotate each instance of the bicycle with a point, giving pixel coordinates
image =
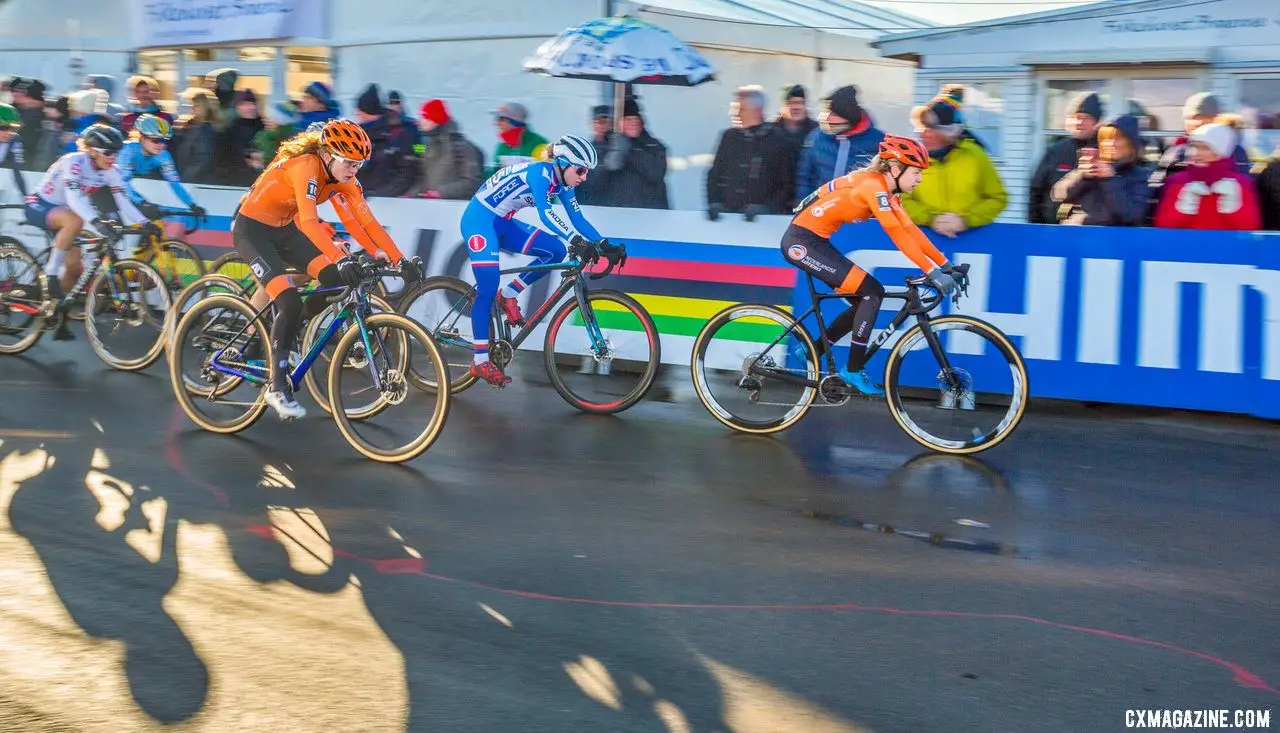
(216, 332)
(780, 351)
(27, 311)
(176, 260)
(620, 336)
(233, 265)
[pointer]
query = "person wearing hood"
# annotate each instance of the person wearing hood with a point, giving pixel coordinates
(86, 107)
(393, 166)
(317, 104)
(1109, 185)
(961, 189)
(144, 91)
(1210, 193)
(636, 163)
(1084, 112)
(451, 164)
(516, 142)
(844, 140)
(107, 84)
(282, 122)
(235, 142)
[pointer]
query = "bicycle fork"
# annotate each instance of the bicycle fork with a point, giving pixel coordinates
(954, 392)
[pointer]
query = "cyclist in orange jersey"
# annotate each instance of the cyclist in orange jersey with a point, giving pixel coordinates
(871, 192)
(277, 225)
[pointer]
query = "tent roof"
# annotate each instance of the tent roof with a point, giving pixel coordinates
(841, 17)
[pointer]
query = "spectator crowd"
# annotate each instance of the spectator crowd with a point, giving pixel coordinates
(1105, 171)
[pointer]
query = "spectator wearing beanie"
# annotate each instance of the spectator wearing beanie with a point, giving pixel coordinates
(1084, 112)
(317, 104)
(28, 96)
(452, 165)
(1110, 189)
(516, 142)
(143, 91)
(1200, 109)
(754, 171)
(235, 146)
(1210, 193)
(960, 189)
(107, 84)
(393, 166)
(636, 163)
(280, 124)
(793, 119)
(845, 139)
(595, 190)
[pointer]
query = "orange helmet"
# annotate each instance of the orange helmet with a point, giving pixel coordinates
(346, 139)
(905, 150)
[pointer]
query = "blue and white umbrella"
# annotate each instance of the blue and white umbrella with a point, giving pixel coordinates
(621, 49)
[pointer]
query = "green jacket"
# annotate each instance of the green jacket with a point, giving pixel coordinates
(964, 182)
(531, 145)
(268, 141)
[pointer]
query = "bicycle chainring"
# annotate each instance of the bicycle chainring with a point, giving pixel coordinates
(833, 390)
(501, 353)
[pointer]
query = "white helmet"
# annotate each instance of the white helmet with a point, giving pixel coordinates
(576, 151)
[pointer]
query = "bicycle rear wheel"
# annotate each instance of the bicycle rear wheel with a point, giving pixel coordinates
(176, 261)
(611, 380)
(969, 407)
(443, 306)
(741, 362)
(129, 304)
(217, 402)
(22, 296)
(354, 391)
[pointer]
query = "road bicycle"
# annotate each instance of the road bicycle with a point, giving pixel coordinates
(123, 297)
(223, 391)
(599, 340)
(931, 388)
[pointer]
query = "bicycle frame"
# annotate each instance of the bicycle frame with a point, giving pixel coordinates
(355, 305)
(914, 306)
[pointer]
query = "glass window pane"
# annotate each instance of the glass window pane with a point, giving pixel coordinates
(256, 53)
(984, 113)
(1260, 108)
(1161, 100)
(1059, 92)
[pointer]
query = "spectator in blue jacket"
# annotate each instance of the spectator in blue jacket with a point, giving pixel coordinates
(317, 104)
(846, 139)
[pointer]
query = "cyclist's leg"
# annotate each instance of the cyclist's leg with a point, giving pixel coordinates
(482, 244)
(529, 240)
(815, 255)
(259, 244)
(63, 266)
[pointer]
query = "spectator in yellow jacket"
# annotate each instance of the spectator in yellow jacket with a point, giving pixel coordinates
(961, 188)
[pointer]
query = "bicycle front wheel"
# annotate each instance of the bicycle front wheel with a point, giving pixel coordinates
(391, 339)
(604, 358)
(752, 365)
(22, 296)
(128, 306)
(968, 406)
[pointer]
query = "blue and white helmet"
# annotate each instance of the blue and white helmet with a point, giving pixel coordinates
(576, 151)
(153, 126)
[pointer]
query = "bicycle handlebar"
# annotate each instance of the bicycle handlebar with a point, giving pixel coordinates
(614, 254)
(960, 273)
(198, 220)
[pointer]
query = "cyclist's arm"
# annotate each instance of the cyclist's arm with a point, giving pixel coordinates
(926, 246)
(355, 214)
(170, 173)
(905, 234)
(77, 201)
(570, 201)
(126, 164)
(308, 217)
(127, 210)
(550, 219)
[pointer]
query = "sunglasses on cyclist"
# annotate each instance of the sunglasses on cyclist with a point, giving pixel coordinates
(106, 153)
(354, 164)
(157, 140)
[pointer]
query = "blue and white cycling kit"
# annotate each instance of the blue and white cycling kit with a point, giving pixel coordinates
(488, 225)
(134, 161)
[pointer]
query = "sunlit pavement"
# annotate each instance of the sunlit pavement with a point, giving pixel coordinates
(543, 570)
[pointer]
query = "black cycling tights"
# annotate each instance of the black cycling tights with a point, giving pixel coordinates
(291, 313)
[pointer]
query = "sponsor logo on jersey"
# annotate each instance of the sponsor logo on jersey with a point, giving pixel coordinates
(500, 193)
(820, 211)
(553, 216)
(312, 189)
(797, 251)
(476, 243)
(882, 201)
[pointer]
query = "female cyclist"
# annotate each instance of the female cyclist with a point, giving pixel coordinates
(64, 204)
(870, 192)
(147, 153)
(277, 226)
(488, 225)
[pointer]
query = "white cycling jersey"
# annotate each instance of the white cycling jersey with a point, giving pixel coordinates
(73, 178)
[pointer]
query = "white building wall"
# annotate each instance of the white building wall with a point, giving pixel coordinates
(36, 40)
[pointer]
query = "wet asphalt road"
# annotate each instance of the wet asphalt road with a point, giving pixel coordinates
(542, 570)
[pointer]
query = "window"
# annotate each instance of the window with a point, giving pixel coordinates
(1260, 108)
(1058, 93)
(1161, 101)
(984, 113)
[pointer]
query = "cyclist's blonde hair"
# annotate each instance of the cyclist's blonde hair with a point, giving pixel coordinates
(301, 144)
(877, 165)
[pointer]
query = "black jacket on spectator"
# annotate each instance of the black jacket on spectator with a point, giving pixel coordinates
(637, 172)
(1269, 194)
(233, 147)
(1120, 200)
(595, 190)
(192, 149)
(795, 137)
(393, 167)
(755, 166)
(1059, 160)
(31, 133)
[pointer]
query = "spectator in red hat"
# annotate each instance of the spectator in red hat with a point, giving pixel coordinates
(1210, 193)
(452, 166)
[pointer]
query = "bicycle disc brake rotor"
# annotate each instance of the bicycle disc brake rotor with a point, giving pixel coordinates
(395, 388)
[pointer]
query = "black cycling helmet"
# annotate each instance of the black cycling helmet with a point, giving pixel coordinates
(102, 137)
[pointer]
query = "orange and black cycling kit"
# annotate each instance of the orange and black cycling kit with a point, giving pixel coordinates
(278, 225)
(856, 197)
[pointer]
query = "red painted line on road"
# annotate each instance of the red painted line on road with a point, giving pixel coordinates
(415, 566)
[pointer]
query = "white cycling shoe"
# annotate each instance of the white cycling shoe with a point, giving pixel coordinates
(284, 405)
